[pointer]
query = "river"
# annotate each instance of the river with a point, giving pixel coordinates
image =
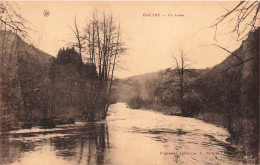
(127, 137)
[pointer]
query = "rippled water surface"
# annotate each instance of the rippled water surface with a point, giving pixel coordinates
(126, 137)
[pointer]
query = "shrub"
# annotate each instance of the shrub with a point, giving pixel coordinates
(135, 103)
(191, 105)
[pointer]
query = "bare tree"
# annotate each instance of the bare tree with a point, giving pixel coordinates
(12, 21)
(245, 15)
(101, 43)
(79, 38)
(183, 74)
(13, 29)
(239, 60)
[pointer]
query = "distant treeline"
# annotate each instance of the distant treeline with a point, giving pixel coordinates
(226, 95)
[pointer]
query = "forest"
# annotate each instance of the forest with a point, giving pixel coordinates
(39, 89)
(78, 84)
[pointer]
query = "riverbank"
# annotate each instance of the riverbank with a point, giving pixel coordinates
(172, 111)
(10, 123)
(104, 143)
(215, 118)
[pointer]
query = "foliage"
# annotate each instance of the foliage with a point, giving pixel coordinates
(70, 56)
(234, 94)
(101, 44)
(135, 103)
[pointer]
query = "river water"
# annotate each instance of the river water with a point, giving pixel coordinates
(127, 137)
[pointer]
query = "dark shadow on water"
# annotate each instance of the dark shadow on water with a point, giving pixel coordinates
(11, 150)
(88, 144)
(85, 144)
(178, 132)
(229, 150)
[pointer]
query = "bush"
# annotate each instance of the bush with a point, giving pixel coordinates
(135, 103)
(191, 105)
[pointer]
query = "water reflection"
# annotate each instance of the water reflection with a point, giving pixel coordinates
(126, 137)
(89, 142)
(86, 144)
(9, 151)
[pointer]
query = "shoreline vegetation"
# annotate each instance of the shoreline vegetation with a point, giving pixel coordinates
(225, 95)
(217, 119)
(78, 84)
(38, 89)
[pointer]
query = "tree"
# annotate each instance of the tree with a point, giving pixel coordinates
(180, 70)
(137, 88)
(69, 84)
(101, 43)
(151, 86)
(136, 101)
(13, 28)
(79, 39)
(183, 76)
(12, 21)
(245, 15)
(70, 56)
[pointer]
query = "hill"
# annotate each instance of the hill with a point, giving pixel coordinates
(125, 86)
(24, 77)
(148, 83)
(228, 94)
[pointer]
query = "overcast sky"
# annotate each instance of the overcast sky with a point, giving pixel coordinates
(151, 41)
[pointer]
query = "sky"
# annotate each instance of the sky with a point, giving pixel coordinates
(151, 42)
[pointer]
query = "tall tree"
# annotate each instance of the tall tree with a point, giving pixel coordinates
(101, 43)
(183, 74)
(13, 27)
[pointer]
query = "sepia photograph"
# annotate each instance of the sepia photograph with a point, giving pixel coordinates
(129, 82)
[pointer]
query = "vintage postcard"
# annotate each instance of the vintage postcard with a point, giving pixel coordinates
(129, 82)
